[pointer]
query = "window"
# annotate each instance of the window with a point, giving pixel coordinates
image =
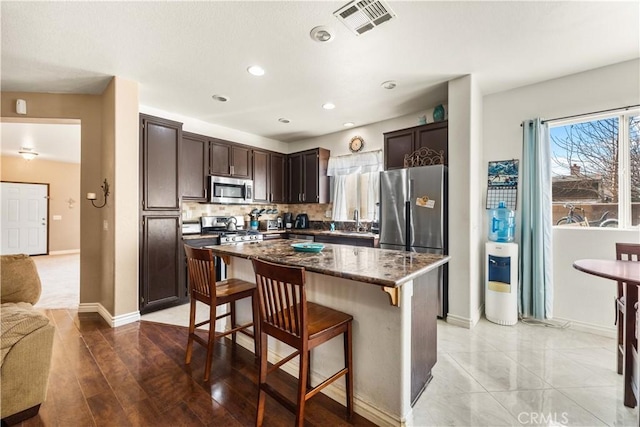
(361, 192)
(596, 170)
(355, 185)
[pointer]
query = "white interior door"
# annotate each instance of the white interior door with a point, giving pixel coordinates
(24, 218)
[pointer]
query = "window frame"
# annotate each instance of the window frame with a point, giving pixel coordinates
(624, 157)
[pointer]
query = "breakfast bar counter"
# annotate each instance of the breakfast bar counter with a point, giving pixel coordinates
(394, 335)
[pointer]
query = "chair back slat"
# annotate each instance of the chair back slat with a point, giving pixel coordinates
(202, 272)
(282, 299)
(626, 252)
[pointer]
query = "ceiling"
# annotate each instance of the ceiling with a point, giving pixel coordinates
(182, 53)
(59, 142)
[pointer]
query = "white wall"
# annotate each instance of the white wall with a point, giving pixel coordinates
(338, 142)
(585, 300)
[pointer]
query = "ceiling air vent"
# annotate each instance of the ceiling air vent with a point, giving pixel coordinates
(364, 15)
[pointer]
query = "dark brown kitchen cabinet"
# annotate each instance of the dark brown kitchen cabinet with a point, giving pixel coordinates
(161, 270)
(269, 177)
(161, 283)
(229, 159)
(308, 180)
(160, 158)
(405, 141)
(194, 167)
(278, 184)
(261, 176)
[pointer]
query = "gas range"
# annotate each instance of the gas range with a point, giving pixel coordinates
(241, 236)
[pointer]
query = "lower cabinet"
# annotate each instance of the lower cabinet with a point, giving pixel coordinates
(342, 240)
(162, 282)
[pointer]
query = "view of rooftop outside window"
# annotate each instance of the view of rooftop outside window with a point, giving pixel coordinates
(596, 171)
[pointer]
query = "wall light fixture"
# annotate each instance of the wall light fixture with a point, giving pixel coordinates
(105, 190)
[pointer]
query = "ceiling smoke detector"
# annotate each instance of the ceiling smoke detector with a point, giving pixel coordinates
(364, 15)
(321, 34)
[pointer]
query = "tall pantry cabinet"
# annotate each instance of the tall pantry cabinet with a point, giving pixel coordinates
(161, 270)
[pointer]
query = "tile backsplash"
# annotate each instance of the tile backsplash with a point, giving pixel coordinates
(192, 211)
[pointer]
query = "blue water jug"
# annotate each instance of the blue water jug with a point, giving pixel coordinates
(502, 223)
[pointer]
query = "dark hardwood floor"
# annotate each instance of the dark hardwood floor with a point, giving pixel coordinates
(135, 375)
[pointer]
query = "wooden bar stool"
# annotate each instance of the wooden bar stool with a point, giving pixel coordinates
(204, 288)
(286, 315)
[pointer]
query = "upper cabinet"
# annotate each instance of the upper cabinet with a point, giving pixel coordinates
(229, 159)
(269, 177)
(308, 180)
(160, 163)
(405, 141)
(194, 167)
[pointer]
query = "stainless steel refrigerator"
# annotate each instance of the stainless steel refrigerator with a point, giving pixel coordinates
(413, 215)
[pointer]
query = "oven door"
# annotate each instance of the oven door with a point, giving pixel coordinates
(230, 190)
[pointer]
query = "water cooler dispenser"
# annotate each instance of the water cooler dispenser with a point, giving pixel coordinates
(501, 269)
(501, 277)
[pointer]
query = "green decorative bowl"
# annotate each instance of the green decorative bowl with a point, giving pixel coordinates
(307, 247)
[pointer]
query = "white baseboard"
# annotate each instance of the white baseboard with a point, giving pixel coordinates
(611, 332)
(463, 322)
(336, 393)
(65, 252)
(112, 321)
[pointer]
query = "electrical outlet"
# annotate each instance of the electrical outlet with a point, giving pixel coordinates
(105, 225)
(328, 213)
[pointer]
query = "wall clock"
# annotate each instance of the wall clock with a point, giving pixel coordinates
(356, 144)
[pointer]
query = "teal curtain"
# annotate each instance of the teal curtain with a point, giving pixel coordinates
(536, 269)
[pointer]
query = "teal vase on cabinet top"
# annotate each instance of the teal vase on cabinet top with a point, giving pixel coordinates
(438, 113)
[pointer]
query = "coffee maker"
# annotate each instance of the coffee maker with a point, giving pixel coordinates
(288, 220)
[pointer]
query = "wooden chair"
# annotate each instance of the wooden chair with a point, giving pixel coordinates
(204, 288)
(286, 315)
(628, 252)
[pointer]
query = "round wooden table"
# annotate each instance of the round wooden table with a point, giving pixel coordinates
(627, 272)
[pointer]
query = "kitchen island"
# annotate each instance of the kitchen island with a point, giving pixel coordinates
(392, 296)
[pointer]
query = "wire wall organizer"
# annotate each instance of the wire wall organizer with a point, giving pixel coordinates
(502, 184)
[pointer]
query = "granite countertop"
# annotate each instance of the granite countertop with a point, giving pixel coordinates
(382, 267)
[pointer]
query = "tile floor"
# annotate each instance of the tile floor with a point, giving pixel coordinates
(523, 375)
(488, 376)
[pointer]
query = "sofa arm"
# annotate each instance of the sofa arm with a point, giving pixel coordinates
(25, 372)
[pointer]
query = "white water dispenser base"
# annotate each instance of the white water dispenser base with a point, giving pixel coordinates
(501, 283)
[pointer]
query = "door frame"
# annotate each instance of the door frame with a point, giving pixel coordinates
(48, 206)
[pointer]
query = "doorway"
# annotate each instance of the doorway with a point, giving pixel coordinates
(24, 228)
(56, 143)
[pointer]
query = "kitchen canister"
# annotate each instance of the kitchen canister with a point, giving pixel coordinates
(502, 223)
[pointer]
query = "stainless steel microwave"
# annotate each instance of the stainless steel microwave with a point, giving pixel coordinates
(230, 190)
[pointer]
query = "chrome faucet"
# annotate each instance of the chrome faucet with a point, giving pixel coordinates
(356, 218)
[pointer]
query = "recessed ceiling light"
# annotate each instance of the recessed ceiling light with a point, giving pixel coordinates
(321, 34)
(256, 70)
(349, 124)
(220, 98)
(389, 84)
(328, 106)
(284, 120)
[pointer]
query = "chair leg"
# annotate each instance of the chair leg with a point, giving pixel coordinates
(620, 340)
(349, 365)
(232, 307)
(192, 328)
(302, 387)
(210, 341)
(256, 324)
(262, 378)
(309, 372)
